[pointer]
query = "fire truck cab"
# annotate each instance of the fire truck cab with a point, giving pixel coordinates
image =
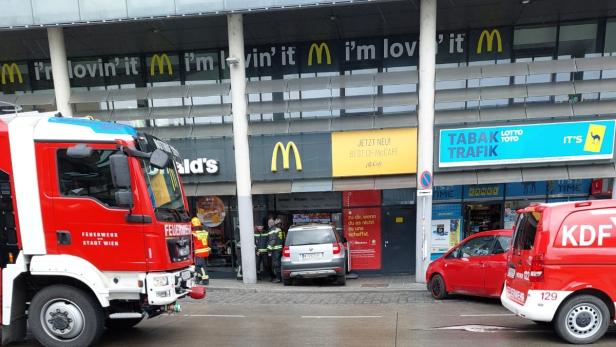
(94, 228)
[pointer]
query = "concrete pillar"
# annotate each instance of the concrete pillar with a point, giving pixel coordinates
(59, 69)
(237, 68)
(425, 133)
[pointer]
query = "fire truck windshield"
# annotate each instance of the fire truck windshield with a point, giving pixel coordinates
(165, 192)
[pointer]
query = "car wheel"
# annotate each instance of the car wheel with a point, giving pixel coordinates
(583, 319)
(287, 281)
(122, 324)
(341, 279)
(437, 287)
(62, 315)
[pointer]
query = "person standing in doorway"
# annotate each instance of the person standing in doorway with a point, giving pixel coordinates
(275, 240)
(261, 241)
(201, 250)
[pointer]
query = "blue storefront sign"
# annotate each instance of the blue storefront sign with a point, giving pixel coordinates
(526, 190)
(447, 193)
(532, 143)
(569, 188)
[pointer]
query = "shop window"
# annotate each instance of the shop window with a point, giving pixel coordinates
(291, 95)
(87, 177)
(167, 102)
(447, 85)
(205, 100)
(577, 40)
(528, 39)
(320, 94)
(530, 79)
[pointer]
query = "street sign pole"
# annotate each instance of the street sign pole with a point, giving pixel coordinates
(425, 138)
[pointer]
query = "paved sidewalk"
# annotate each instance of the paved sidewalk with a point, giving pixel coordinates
(361, 284)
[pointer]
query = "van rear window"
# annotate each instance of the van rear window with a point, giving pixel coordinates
(525, 232)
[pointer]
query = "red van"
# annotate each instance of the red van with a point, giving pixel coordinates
(562, 268)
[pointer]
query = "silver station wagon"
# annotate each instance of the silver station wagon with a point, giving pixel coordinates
(314, 251)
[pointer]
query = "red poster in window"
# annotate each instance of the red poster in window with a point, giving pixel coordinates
(362, 228)
(361, 198)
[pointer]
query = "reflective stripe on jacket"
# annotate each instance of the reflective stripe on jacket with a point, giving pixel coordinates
(275, 238)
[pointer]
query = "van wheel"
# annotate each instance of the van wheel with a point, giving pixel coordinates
(62, 315)
(437, 287)
(583, 319)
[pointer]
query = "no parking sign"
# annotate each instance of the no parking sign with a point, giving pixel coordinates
(425, 180)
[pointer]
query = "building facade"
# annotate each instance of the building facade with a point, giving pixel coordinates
(524, 107)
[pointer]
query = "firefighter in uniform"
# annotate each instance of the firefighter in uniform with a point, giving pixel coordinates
(201, 249)
(261, 240)
(275, 238)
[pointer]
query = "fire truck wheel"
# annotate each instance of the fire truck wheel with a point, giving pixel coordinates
(582, 319)
(122, 324)
(62, 315)
(437, 287)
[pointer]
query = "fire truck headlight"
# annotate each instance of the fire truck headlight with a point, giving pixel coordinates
(160, 281)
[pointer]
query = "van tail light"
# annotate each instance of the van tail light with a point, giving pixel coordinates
(536, 269)
(286, 252)
(336, 248)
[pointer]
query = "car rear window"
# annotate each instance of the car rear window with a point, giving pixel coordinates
(310, 237)
(525, 232)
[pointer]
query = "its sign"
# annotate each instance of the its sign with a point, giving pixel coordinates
(533, 143)
(286, 152)
(318, 50)
(159, 61)
(374, 152)
(11, 70)
(489, 36)
(198, 166)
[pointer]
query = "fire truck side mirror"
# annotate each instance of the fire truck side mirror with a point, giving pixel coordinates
(120, 171)
(79, 151)
(124, 198)
(159, 159)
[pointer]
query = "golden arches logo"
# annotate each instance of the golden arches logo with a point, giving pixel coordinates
(160, 61)
(286, 151)
(12, 70)
(318, 49)
(489, 37)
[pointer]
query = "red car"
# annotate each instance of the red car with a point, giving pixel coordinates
(475, 266)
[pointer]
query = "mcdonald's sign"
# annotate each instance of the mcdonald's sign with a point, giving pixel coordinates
(318, 49)
(286, 151)
(160, 61)
(12, 70)
(489, 36)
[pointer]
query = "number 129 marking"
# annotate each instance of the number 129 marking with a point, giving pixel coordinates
(549, 296)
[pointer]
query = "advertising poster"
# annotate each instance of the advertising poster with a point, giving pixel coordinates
(362, 228)
(374, 152)
(446, 228)
(211, 211)
(518, 144)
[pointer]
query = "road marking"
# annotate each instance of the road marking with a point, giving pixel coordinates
(320, 317)
(488, 315)
(216, 315)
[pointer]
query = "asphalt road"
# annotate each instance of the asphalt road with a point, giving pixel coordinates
(225, 319)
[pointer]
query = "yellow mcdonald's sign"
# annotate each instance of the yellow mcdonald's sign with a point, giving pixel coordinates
(489, 36)
(318, 49)
(12, 70)
(159, 61)
(286, 151)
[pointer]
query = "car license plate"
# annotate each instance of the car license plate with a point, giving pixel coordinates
(511, 272)
(516, 295)
(185, 275)
(312, 255)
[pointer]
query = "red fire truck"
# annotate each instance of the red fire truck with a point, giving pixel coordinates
(94, 228)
